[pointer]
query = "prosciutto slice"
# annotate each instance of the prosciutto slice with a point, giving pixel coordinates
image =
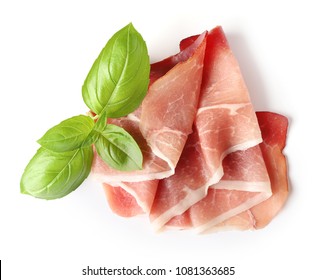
(169, 109)
(236, 210)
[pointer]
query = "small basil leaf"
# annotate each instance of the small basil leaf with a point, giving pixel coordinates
(119, 77)
(67, 135)
(51, 175)
(118, 149)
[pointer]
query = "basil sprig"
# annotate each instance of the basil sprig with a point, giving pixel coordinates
(114, 87)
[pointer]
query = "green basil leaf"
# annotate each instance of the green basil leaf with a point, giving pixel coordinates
(67, 135)
(118, 149)
(51, 175)
(119, 78)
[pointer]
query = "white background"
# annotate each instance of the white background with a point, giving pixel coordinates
(47, 49)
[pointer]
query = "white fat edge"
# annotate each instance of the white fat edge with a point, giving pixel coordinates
(224, 228)
(159, 154)
(233, 107)
(238, 185)
(243, 146)
(133, 117)
(132, 178)
(233, 212)
(192, 197)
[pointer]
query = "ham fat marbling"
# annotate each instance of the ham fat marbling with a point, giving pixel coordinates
(210, 162)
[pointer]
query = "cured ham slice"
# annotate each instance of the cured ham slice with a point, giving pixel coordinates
(169, 109)
(225, 122)
(274, 130)
(225, 209)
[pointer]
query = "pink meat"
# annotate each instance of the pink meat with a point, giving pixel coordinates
(225, 122)
(121, 202)
(169, 109)
(274, 130)
(129, 199)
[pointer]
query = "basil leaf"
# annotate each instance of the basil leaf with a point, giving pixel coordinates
(67, 135)
(118, 149)
(51, 175)
(119, 77)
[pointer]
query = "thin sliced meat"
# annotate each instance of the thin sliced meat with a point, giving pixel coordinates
(222, 208)
(225, 122)
(245, 183)
(274, 130)
(169, 109)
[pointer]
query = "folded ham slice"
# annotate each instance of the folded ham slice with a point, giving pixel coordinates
(205, 166)
(238, 209)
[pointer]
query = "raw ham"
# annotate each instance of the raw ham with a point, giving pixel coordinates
(205, 165)
(169, 109)
(274, 130)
